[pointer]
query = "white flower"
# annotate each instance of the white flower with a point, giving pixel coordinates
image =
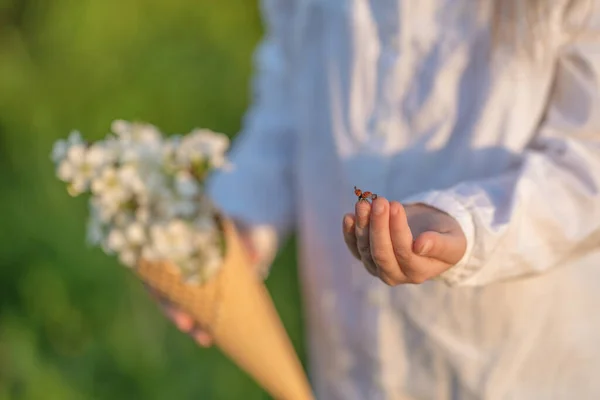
(205, 222)
(116, 241)
(79, 167)
(74, 157)
(211, 263)
(178, 207)
(128, 258)
(142, 215)
(95, 233)
(147, 195)
(150, 254)
(184, 208)
(123, 218)
(169, 204)
(201, 268)
(98, 155)
(139, 154)
(110, 190)
(61, 147)
(113, 148)
(139, 142)
(186, 185)
(173, 241)
(202, 145)
(155, 183)
(203, 240)
(120, 127)
(136, 233)
(136, 132)
(105, 210)
(129, 178)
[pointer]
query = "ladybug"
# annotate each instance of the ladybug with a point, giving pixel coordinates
(363, 196)
(357, 192)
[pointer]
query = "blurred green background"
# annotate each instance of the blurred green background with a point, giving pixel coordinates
(74, 324)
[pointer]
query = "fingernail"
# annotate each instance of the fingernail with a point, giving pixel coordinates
(393, 209)
(183, 322)
(204, 340)
(347, 222)
(425, 248)
(378, 207)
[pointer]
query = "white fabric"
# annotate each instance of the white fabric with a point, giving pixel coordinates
(398, 97)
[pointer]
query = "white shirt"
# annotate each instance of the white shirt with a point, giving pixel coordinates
(397, 97)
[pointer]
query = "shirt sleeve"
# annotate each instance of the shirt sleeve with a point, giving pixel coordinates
(258, 188)
(547, 210)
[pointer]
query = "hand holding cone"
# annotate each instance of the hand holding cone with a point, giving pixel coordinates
(244, 322)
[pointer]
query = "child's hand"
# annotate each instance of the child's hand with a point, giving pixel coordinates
(403, 244)
(183, 320)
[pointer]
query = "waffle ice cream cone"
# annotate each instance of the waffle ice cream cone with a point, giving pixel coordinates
(242, 318)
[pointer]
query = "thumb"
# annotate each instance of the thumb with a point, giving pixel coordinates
(445, 247)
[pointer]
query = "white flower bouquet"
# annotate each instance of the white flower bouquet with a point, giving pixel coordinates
(148, 207)
(147, 194)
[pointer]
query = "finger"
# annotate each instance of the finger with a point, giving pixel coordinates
(348, 227)
(382, 250)
(182, 320)
(362, 210)
(402, 242)
(185, 323)
(361, 230)
(446, 247)
(250, 248)
(400, 234)
(202, 337)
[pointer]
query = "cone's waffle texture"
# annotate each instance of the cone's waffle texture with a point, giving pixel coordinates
(242, 318)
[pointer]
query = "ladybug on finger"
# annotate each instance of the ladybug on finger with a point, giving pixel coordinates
(364, 196)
